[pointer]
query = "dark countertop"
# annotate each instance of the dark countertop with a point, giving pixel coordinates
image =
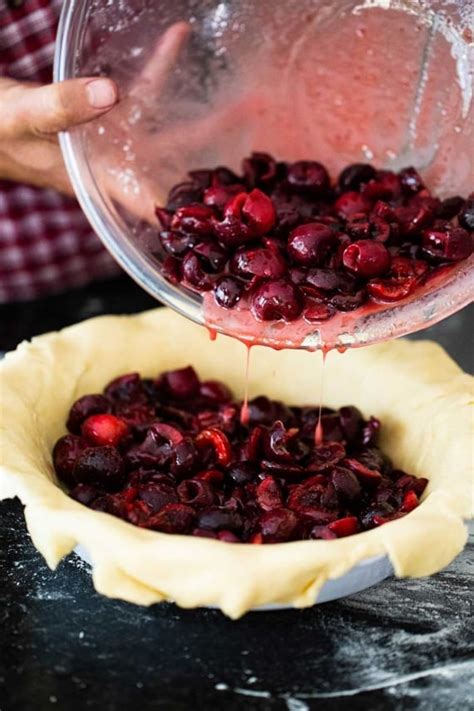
(401, 645)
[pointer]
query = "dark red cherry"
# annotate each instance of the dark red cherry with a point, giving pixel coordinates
(228, 537)
(410, 181)
(322, 533)
(403, 267)
(348, 302)
(412, 218)
(173, 518)
(366, 258)
(197, 272)
(351, 422)
(194, 219)
(214, 255)
(164, 216)
(355, 175)
(219, 517)
(195, 492)
(308, 177)
(308, 495)
(105, 429)
(171, 269)
(84, 408)
(255, 210)
(331, 280)
(170, 433)
(325, 456)
(351, 203)
(371, 477)
(178, 244)
(218, 441)
(242, 473)
(385, 291)
(318, 312)
(346, 483)
(232, 231)
(260, 170)
(102, 467)
(344, 526)
(183, 194)
(218, 197)
(183, 383)
(278, 525)
(215, 391)
(385, 186)
(451, 207)
(203, 533)
(260, 262)
(228, 291)
(157, 495)
(212, 476)
(311, 244)
(66, 452)
(184, 458)
(259, 212)
(451, 245)
(85, 494)
(126, 389)
(277, 299)
(224, 176)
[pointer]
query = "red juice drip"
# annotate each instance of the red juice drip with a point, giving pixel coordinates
(319, 431)
(212, 333)
(244, 413)
(319, 435)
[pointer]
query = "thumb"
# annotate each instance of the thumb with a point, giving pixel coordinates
(58, 107)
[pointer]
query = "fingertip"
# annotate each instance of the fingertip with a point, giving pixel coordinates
(101, 93)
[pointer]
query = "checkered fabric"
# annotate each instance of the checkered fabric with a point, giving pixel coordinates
(46, 243)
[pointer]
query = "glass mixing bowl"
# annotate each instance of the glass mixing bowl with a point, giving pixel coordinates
(205, 82)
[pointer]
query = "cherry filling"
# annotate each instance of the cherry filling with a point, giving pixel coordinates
(281, 241)
(172, 455)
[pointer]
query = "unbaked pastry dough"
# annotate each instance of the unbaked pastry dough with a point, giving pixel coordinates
(422, 397)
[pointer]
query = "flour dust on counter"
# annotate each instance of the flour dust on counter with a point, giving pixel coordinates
(405, 644)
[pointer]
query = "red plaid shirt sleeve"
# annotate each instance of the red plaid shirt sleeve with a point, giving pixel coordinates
(46, 243)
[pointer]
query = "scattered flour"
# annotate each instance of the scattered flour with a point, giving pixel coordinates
(298, 703)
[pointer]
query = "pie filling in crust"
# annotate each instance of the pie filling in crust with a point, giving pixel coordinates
(172, 455)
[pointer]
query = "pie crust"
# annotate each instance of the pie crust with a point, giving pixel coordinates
(422, 397)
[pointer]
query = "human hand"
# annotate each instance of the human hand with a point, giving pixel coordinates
(33, 115)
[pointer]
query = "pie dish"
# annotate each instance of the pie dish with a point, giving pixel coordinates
(423, 398)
